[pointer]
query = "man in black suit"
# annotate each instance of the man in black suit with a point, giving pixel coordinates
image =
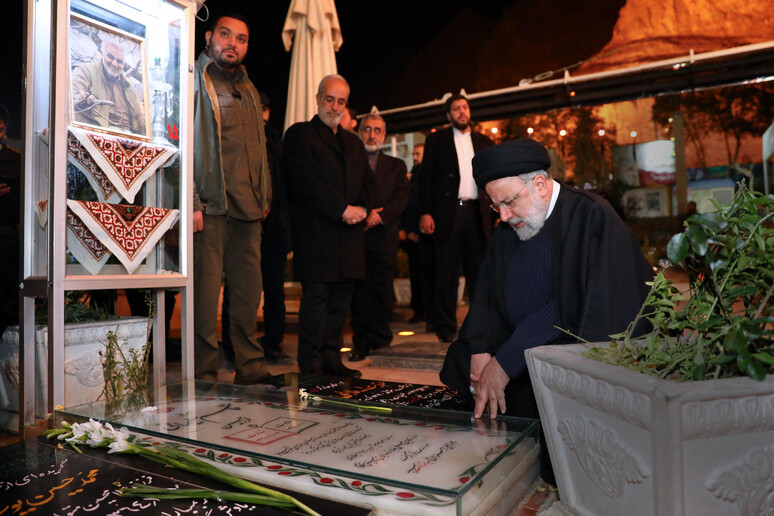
(328, 178)
(371, 306)
(454, 210)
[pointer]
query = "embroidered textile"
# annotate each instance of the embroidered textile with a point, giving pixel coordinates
(115, 165)
(84, 246)
(129, 232)
(40, 211)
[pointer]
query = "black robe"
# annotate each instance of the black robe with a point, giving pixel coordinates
(599, 275)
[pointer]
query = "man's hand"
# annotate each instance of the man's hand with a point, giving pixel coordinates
(198, 221)
(374, 219)
(402, 235)
(478, 361)
(491, 388)
(413, 237)
(353, 214)
(427, 224)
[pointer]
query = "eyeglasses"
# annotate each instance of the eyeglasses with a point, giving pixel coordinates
(330, 100)
(509, 202)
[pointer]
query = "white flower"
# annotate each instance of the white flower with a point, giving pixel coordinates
(99, 436)
(303, 394)
(150, 410)
(120, 444)
(80, 431)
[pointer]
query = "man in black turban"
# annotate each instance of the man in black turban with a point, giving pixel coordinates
(559, 258)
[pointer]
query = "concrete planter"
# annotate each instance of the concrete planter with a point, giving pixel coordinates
(83, 367)
(626, 443)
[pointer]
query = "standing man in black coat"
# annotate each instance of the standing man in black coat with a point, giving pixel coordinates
(454, 210)
(328, 178)
(371, 306)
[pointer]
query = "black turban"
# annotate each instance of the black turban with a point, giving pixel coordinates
(508, 159)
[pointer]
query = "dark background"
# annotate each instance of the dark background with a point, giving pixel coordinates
(398, 52)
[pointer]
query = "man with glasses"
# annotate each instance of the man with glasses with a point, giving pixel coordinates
(328, 179)
(453, 210)
(560, 258)
(372, 301)
(232, 195)
(103, 96)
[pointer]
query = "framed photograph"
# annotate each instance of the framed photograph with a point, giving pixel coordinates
(108, 79)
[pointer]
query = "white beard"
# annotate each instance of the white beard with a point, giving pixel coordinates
(533, 222)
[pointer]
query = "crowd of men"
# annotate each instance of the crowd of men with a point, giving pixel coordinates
(328, 193)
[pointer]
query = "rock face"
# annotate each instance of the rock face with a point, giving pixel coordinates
(648, 31)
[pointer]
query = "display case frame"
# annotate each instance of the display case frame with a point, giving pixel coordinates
(46, 272)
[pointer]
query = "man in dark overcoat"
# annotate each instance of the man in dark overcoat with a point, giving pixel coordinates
(327, 175)
(372, 302)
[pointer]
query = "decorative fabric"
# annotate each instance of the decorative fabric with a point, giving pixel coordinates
(116, 164)
(84, 246)
(40, 211)
(129, 232)
(78, 157)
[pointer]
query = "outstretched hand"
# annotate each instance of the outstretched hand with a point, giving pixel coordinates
(489, 388)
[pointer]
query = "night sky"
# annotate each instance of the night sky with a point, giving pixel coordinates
(398, 52)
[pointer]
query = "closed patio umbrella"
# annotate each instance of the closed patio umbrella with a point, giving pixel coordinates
(312, 30)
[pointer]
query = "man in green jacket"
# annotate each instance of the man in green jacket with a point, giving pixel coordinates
(232, 195)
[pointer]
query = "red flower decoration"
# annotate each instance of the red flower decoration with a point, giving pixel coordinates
(284, 473)
(419, 424)
(340, 415)
(326, 480)
(357, 483)
(240, 459)
(464, 480)
(405, 495)
(223, 455)
(199, 450)
(274, 466)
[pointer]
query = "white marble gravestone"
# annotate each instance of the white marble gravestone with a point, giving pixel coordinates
(402, 461)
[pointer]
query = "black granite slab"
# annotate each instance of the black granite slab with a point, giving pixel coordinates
(38, 479)
(394, 393)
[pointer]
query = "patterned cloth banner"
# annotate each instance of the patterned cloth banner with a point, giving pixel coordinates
(129, 232)
(84, 246)
(115, 166)
(40, 211)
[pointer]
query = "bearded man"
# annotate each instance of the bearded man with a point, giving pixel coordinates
(328, 179)
(454, 212)
(560, 258)
(372, 300)
(232, 195)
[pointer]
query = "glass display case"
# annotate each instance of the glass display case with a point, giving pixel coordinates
(107, 181)
(397, 459)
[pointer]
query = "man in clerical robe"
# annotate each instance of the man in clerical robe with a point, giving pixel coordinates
(560, 259)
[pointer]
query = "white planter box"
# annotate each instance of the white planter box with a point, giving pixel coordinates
(623, 443)
(83, 366)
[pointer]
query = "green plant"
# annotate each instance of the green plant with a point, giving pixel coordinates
(126, 370)
(725, 326)
(79, 307)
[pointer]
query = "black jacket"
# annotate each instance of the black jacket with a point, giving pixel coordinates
(441, 181)
(390, 191)
(325, 172)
